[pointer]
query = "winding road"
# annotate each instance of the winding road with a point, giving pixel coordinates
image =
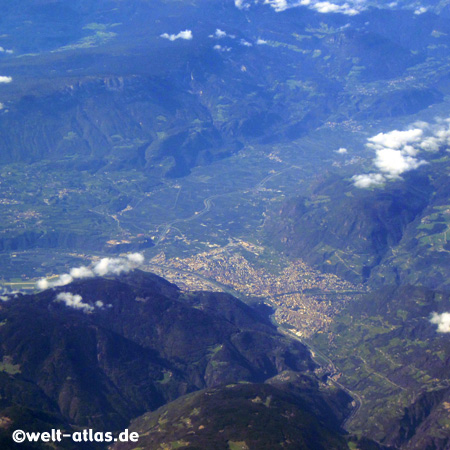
(208, 203)
(356, 398)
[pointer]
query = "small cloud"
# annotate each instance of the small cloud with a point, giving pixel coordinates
(43, 284)
(261, 42)
(396, 139)
(420, 11)
(396, 152)
(116, 266)
(220, 48)
(394, 162)
(219, 34)
(5, 79)
(342, 151)
(62, 280)
(136, 258)
(81, 272)
(241, 4)
(277, 5)
(430, 144)
(104, 267)
(99, 304)
(328, 7)
(74, 301)
(186, 34)
(350, 7)
(442, 321)
(368, 180)
(4, 298)
(245, 43)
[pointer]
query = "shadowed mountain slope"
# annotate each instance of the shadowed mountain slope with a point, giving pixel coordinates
(146, 344)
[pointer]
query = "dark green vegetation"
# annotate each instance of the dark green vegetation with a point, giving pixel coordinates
(148, 345)
(109, 128)
(287, 412)
(394, 235)
(115, 139)
(391, 356)
(384, 348)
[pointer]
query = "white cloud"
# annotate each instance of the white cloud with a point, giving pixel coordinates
(62, 280)
(394, 162)
(328, 7)
(186, 34)
(43, 284)
(325, 7)
(116, 266)
(245, 43)
(442, 321)
(430, 144)
(349, 7)
(136, 258)
(220, 48)
(342, 151)
(104, 267)
(368, 180)
(241, 4)
(277, 5)
(219, 34)
(5, 79)
(4, 298)
(396, 152)
(420, 10)
(395, 139)
(74, 301)
(81, 272)
(99, 304)
(261, 42)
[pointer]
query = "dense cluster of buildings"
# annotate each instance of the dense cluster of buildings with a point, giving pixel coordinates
(302, 297)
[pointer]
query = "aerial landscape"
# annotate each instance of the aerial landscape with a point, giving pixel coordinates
(225, 224)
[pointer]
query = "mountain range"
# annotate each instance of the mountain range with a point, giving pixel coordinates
(99, 365)
(315, 134)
